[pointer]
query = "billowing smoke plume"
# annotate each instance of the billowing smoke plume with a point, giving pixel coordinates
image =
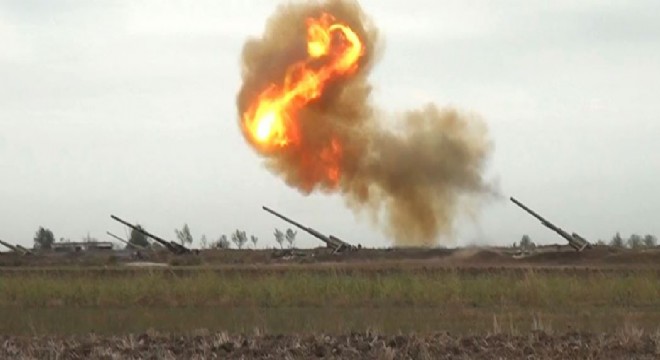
(411, 178)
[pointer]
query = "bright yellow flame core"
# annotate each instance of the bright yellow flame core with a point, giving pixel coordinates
(269, 120)
(265, 127)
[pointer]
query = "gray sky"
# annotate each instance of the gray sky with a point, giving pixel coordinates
(128, 108)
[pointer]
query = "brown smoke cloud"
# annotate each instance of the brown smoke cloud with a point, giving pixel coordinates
(411, 179)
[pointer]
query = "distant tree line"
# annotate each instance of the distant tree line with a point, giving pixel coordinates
(44, 239)
(239, 239)
(635, 241)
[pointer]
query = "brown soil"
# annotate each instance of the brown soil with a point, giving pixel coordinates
(547, 257)
(535, 345)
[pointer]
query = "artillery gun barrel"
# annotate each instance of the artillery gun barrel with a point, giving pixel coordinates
(10, 246)
(574, 240)
(145, 232)
(16, 248)
(545, 222)
(25, 250)
(126, 242)
(311, 231)
(285, 218)
(173, 247)
(332, 242)
(528, 210)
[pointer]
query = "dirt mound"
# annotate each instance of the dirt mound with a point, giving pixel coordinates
(648, 257)
(561, 257)
(479, 256)
(546, 256)
(596, 256)
(354, 346)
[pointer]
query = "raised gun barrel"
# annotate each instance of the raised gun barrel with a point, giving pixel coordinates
(128, 243)
(574, 240)
(24, 250)
(170, 245)
(9, 246)
(16, 248)
(332, 242)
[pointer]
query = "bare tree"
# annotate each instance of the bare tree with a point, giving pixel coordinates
(184, 235)
(254, 240)
(650, 241)
(635, 241)
(203, 243)
(279, 237)
(239, 238)
(291, 237)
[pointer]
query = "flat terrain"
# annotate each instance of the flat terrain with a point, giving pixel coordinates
(548, 257)
(367, 345)
(491, 303)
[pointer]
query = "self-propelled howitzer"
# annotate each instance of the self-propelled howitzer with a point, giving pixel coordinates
(576, 241)
(170, 245)
(334, 243)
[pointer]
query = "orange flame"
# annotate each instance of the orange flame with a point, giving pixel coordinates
(330, 157)
(270, 121)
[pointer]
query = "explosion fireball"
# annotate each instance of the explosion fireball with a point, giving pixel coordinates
(270, 119)
(304, 106)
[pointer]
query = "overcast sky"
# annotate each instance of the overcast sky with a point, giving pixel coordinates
(128, 108)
